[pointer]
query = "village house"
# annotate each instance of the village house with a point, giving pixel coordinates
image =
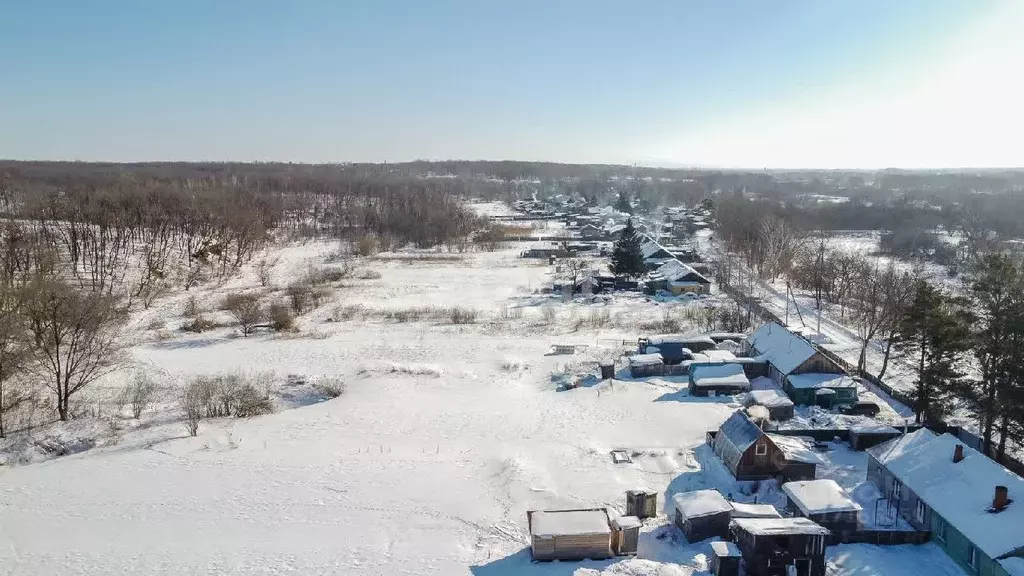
(788, 354)
(973, 507)
(771, 546)
(678, 278)
(717, 379)
(751, 454)
(591, 232)
(823, 501)
(675, 348)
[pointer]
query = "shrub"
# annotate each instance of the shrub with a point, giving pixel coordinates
(198, 325)
(463, 315)
(191, 309)
(156, 324)
(263, 271)
(549, 313)
(281, 317)
(368, 275)
(138, 395)
(366, 246)
(249, 402)
(194, 400)
(348, 312)
(299, 296)
(329, 387)
(246, 310)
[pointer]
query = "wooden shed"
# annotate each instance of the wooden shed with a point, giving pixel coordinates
(625, 535)
(641, 503)
(717, 379)
(770, 546)
(864, 437)
(702, 514)
(570, 534)
(824, 502)
(725, 559)
(779, 406)
(674, 348)
(644, 365)
(746, 450)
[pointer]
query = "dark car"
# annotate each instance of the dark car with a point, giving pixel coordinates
(864, 408)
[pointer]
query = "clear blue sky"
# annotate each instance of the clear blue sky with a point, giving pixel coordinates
(680, 82)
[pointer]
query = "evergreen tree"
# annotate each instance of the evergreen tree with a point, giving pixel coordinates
(936, 331)
(627, 259)
(623, 204)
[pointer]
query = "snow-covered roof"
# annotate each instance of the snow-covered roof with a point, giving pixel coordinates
(796, 449)
(719, 375)
(740, 510)
(781, 347)
(701, 503)
(672, 270)
(719, 355)
(727, 549)
(819, 497)
(740, 431)
(650, 248)
(821, 381)
(1013, 566)
(772, 398)
(962, 492)
(548, 523)
(897, 447)
(781, 526)
(627, 522)
(679, 339)
(645, 360)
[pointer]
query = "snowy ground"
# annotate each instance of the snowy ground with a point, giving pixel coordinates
(446, 435)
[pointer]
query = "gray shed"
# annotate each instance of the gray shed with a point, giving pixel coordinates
(625, 535)
(725, 559)
(702, 514)
(864, 437)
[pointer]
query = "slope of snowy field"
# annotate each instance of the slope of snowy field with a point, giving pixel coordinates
(427, 464)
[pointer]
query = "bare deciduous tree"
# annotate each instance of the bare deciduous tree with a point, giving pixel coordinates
(246, 310)
(14, 355)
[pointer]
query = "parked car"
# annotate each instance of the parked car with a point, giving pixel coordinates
(864, 408)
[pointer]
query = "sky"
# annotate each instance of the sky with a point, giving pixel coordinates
(708, 83)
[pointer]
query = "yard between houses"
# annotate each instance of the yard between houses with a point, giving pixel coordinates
(448, 430)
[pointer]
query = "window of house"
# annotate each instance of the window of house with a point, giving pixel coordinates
(919, 511)
(940, 530)
(761, 449)
(897, 489)
(972, 556)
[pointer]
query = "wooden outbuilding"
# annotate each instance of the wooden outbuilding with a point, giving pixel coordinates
(787, 353)
(725, 559)
(770, 546)
(644, 365)
(702, 514)
(717, 379)
(674, 348)
(641, 503)
(780, 407)
(864, 437)
(824, 502)
(570, 534)
(625, 535)
(751, 454)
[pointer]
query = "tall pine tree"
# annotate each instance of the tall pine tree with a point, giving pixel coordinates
(627, 258)
(935, 331)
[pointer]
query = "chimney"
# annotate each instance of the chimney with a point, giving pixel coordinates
(958, 453)
(1001, 499)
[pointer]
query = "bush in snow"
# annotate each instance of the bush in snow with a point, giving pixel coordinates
(281, 317)
(138, 395)
(194, 401)
(246, 310)
(329, 387)
(549, 313)
(198, 324)
(462, 315)
(366, 246)
(249, 402)
(191, 309)
(368, 275)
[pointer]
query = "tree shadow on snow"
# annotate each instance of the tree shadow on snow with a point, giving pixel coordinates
(522, 563)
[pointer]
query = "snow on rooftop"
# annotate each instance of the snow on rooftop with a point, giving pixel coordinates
(781, 526)
(821, 381)
(645, 359)
(797, 449)
(962, 492)
(1013, 566)
(627, 522)
(897, 447)
(725, 549)
(701, 503)
(679, 339)
(819, 496)
(781, 347)
(741, 510)
(740, 431)
(720, 355)
(549, 523)
(719, 375)
(773, 398)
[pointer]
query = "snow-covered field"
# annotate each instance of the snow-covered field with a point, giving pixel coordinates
(445, 436)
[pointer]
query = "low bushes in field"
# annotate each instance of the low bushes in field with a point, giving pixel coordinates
(235, 394)
(447, 315)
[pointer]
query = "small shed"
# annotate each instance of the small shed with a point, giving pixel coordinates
(824, 502)
(643, 365)
(625, 535)
(675, 348)
(702, 514)
(779, 406)
(717, 379)
(725, 559)
(808, 389)
(800, 459)
(641, 503)
(570, 534)
(741, 510)
(771, 545)
(869, 436)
